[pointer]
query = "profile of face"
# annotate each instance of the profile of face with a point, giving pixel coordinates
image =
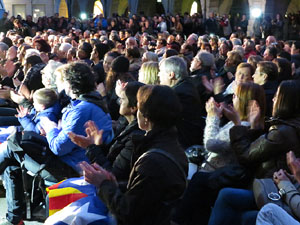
(259, 77)
(143, 122)
(164, 77)
(195, 65)
(243, 75)
(38, 107)
(11, 53)
(125, 110)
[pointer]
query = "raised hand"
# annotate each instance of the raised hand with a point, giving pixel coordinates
(254, 115)
(294, 164)
(80, 140)
(93, 132)
(280, 176)
(218, 85)
(213, 109)
(22, 112)
(231, 114)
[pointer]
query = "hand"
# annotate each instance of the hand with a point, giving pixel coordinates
(120, 86)
(231, 114)
(94, 133)
(101, 89)
(254, 115)
(218, 85)
(280, 176)
(207, 84)
(213, 109)
(22, 112)
(47, 125)
(230, 75)
(94, 174)
(294, 164)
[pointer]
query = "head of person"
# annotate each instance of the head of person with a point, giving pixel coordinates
(132, 53)
(234, 58)
(265, 71)
(128, 99)
(99, 51)
(150, 99)
(149, 56)
(78, 79)
(253, 60)
(48, 75)
(295, 49)
(270, 40)
(42, 45)
(44, 98)
(11, 53)
(284, 69)
(244, 73)
(63, 50)
(131, 42)
(148, 74)
(224, 49)
(30, 62)
(17, 23)
(270, 53)
(286, 102)
(171, 70)
(170, 52)
(203, 59)
(246, 92)
(119, 69)
(3, 48)
(108, 58)
(84, 50)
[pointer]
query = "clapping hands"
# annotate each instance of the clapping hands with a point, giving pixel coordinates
(213, 108)
(94, 136)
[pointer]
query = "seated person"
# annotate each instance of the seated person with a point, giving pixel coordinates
(120, 150)
(86, 105)
(45, 104)
(156, 179)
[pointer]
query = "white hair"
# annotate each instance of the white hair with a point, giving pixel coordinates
(174, 64)
(49, 77)
(3, 46)
(151, 56)
(206, 58)
(31, 52)
(64, 47)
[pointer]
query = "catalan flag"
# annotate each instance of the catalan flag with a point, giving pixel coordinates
(68, 191)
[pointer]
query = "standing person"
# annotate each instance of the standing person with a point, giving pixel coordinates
(277, 25)
(211, 26)
(156, 179)
(243, 24)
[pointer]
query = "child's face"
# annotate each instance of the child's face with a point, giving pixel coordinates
(38, 107)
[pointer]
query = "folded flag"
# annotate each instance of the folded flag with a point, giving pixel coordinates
(68, 191)
(86, 211)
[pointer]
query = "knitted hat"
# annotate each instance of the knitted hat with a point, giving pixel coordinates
(120, 64)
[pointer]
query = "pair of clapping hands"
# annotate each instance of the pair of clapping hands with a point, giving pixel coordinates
(219, 109)
(294, 165)
(93, 173)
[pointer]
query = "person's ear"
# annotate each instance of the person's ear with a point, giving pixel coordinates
(172, 76)
(265, 76)
(133, 110)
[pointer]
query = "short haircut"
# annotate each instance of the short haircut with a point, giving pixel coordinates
(101, 49)
(45, 96)
(176, 65)
(284, 69)
(254, 59)
(151, 56)
(206, 58)
(236, 57)
(272, 51)
(133, 52)
(80, 77)
(131, 90)
(287, 104)
(246, 65)
(270, 69)
(154, 97)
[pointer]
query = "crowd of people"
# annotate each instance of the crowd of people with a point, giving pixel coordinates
(120, 100)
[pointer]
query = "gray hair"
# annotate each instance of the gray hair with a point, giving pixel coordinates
(3, 46)
(176, 65)
(64, 47)
(206, 58)
(151, 56)
(49, 77)
(236, 41)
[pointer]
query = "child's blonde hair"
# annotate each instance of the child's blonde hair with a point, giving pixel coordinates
(45, 96)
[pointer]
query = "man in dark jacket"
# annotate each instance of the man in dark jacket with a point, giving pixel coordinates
(266, 75)
(173, 73)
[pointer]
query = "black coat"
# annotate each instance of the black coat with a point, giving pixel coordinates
(270, 89)
(191, 124)
(266, 154)
(119, 154)
(155, 181)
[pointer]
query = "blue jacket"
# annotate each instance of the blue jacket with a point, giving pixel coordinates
(31, 122)
(73, 119)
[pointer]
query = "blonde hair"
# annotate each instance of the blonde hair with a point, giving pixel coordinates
(45, 96)
(149, 73)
